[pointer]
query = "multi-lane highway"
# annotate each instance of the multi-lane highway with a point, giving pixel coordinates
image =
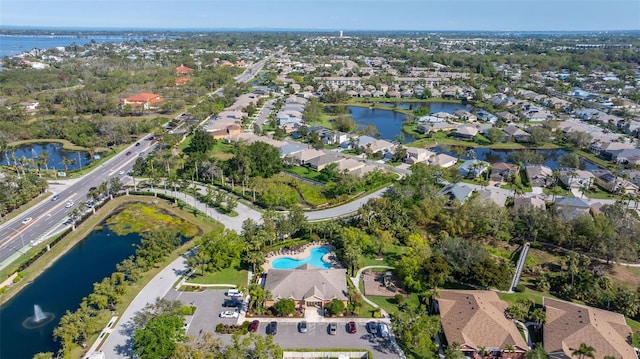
(48, 216)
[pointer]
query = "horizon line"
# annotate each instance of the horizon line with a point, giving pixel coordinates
(273, 29)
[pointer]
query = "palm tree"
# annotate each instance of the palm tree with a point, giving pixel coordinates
(65, 163)
(510, 349)
(43, 157)
(584, 351)
(537, 352)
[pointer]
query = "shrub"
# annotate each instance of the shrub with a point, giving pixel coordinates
(335, 307)
(519, 288)
(18, 277)
(285, 306)
(187, 310)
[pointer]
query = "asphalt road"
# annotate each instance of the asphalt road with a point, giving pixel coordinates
(48, 216)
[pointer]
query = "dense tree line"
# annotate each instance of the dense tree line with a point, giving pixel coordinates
(77, 326)
(18, 189)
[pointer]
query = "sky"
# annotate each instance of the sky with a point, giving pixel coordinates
(425, 15)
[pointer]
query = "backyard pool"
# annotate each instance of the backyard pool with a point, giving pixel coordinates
(314, 258)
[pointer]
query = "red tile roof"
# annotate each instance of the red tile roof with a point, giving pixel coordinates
(143, 97)
(183, 70)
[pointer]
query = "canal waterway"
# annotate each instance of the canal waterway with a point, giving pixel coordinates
(59, 288)
(389, 124)
(56, 159)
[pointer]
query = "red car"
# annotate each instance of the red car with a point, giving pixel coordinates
(253, 327)
(351, 327)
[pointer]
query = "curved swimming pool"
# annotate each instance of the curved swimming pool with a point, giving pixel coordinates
(315, 259)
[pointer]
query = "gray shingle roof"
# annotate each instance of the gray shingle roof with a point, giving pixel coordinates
(306, 282)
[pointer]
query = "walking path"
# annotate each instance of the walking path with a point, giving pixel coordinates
(520, 266)
(118, 343)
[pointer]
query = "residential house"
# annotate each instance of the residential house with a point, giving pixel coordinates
(415, 155)
(507, 117)
(535, 114)
(569, 325)
(465, 132)
(443, 160)
(303, 157)
(350, 164)
(181, 81)
(571, 208)
(357, 141)
(338, 81)
(378, 146)
(183, 70)
(533, 202)
(501, 171)
(307, 285)
(230, 130)
(319, 163)
(539, 176)
(613, 183)
(486, 116)
(290, 149)
(436, 127)
(465, 115)
(430, 119)
(487, 195)
(147, 101)
(362, 171)
(456, 191)
(475, 320)
(626, 156)
(575, 178)
(333, 138)
(517, 134)
(606, 149)
(473, 168)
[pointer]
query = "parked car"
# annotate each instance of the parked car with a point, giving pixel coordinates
(352, 328)
(272, 328)
(233, 293)
(333, 328)
(253, 327)
(228, 314)
(27, 220)
(372, 327)
(383, 330)
(231, 303)
(303, 326)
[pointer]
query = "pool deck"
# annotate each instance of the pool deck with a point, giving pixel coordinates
(302, 253)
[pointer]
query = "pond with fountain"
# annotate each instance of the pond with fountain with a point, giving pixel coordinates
(28, 319)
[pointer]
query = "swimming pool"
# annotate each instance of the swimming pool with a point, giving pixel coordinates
(315, 259)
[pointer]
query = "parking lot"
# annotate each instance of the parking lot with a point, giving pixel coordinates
(209, 304)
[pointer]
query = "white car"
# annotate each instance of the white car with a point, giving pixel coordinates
(121, 172)
(27, 220)
(228, 314)
(69, 204)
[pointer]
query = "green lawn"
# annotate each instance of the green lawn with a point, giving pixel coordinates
(304, 172)
(386, 303)
(225, 276)
(390, 257)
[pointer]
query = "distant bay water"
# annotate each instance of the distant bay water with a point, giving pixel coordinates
(11, 45)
